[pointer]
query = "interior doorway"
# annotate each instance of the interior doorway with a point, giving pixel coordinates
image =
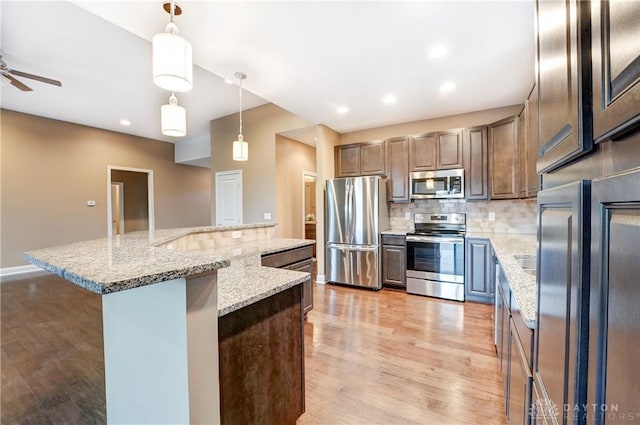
(130, 203)
(117, 208)
(229, 198)
(309, 213)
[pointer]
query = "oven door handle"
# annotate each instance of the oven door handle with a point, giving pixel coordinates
(436, 239)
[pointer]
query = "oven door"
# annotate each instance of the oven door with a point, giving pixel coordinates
(435, 258)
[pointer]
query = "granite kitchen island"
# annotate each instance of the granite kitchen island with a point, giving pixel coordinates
(164, 294)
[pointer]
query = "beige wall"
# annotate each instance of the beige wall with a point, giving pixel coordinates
(292, 158)
(50, 169)
(136, 199)
(470, 119)
(260, 126)
(327, 140)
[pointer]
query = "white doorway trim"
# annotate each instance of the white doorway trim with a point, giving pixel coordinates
(220, 201)
(315, 177)
(120, 189)
(152, 221)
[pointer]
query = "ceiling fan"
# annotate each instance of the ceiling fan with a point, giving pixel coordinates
(9, 73)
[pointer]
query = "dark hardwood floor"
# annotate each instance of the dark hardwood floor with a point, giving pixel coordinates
(371, 357)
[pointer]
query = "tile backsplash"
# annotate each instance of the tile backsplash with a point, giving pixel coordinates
(511, 216)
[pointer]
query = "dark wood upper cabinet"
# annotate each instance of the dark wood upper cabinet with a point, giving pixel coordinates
(522, 152)
(564, 81)
(436, 151)
(532, 125)
(348, 160)
(449, 150)
(361, 159)
(422, 152)
(398, 169)
(372, 158)
(476, 163)
(503, 159)
(616, 68)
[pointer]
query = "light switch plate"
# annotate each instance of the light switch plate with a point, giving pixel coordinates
(492, 216)
(267, 216)
(91, 203)
(407, 216)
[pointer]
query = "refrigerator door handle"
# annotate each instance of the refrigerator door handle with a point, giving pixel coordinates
(363, 248)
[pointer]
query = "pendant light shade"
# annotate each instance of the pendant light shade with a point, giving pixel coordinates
(173, 118)
(240, 147)
(172, 59)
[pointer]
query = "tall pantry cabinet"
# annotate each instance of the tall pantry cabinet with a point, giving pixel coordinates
(588, 337)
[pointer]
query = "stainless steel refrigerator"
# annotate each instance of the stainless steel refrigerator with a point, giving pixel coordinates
(356, 213)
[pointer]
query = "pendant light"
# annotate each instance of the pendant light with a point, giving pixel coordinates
(172, 58)
(240, 147)
(173, 118)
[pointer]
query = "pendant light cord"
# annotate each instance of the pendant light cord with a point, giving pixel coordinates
(240, 96)
(173, 9)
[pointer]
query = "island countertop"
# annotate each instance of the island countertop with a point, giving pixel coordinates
(114, 264)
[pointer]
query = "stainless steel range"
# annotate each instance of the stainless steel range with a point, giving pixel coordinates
(435, 256)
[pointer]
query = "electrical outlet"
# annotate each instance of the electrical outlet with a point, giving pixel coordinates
(236, 234)
(492, 216)
(267, 216)
(91, 203)
(407, 216)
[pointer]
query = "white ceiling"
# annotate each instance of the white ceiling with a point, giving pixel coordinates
(306, 57)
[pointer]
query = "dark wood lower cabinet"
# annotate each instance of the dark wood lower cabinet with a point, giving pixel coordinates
(478, 282)
(298, 259)
(520, 380)
(261, 350)
(394, 260)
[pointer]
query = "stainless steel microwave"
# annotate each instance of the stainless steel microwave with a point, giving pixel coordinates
(437, 184)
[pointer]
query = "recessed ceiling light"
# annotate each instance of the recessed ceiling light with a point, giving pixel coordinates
(447, 86)
(389, 99)
(438, 51)
(342, 109)
(125, 122)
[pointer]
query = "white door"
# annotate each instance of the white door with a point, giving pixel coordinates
(229, 198)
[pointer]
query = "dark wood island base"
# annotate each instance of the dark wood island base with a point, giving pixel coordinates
(261, 349)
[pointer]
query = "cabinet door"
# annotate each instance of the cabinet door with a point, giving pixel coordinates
(505, 342)
(615, 297)
(394, 270)
(503, 159)
(449, 150)
(477, 271)
(373, 158)
(564, 81)
(476, 164)
(348, 160)
(398, 169)
(519, 382)
(307, 287)
(522, 153)
(422, 152)
(563, 290)
(532, 178)
(616, 68)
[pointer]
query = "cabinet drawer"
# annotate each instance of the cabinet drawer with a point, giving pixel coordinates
(285, 258)
(397, 240)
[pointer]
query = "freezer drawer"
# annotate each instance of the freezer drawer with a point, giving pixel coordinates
(354, 265)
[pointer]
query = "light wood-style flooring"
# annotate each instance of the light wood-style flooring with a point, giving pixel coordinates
(371, 357)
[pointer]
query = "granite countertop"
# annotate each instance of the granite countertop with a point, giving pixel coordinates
(246, 281)
(114, 264)
(523, 285)
(396, 232)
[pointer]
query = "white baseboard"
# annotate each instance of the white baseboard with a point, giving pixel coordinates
(10, 271)
(321, 278)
